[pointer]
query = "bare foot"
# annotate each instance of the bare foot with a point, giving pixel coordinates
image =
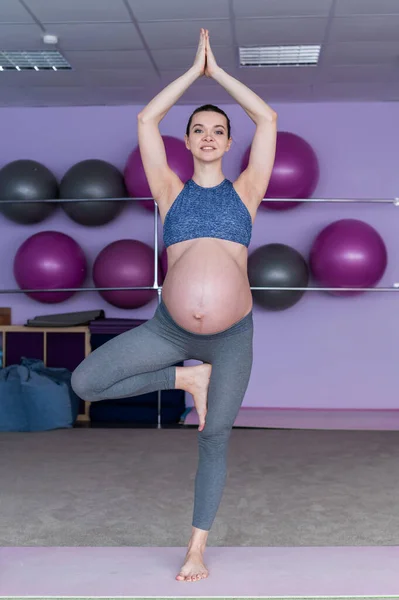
(193, 568)
(199, 390)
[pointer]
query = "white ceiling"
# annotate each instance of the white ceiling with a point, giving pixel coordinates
(125, 51)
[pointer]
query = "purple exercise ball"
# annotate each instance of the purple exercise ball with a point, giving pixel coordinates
(180, 160)
(348, 253)
(295, 172)
(50, 259)
(126, 263)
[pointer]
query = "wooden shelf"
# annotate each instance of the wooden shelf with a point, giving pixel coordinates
(46, 332)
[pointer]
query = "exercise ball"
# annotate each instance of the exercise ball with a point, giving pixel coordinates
(126, 263)
(295, 172)
(348, 253)
(180, 160)
(49, 259)
(93, 178)
(277, 265)
(27, 180)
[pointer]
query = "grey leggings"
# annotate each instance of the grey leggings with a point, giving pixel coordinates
(140, 361)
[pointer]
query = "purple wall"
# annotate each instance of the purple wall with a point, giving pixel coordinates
(325, 352)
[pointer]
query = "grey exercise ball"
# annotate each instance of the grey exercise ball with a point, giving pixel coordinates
(277, 265)
(93, 178)
(27, 180)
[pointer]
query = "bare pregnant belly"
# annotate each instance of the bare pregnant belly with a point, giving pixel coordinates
(206, 289)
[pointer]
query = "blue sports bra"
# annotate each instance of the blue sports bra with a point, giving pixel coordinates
(216, 212)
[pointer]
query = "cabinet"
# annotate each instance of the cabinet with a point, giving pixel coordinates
(59, 347)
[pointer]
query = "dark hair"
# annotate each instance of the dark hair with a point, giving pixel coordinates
(209, 108)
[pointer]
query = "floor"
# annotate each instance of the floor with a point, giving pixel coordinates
(141, 572)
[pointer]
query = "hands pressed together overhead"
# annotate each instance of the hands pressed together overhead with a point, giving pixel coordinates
(204, 60)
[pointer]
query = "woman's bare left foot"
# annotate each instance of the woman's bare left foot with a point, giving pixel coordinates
(193, 568)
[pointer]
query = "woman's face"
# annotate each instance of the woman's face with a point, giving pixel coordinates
(207, 137)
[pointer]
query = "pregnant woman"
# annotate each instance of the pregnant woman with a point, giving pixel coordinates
(205, 312)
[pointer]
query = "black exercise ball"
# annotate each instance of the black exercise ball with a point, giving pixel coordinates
(93, 178)
(277, 265)
(27, 180)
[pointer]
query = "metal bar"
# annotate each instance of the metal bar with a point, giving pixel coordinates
(156, 286)
(394, 288)
(61, 200)
(394, 201)
(156, 246)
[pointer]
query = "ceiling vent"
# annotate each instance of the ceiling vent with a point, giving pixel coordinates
(279, 56)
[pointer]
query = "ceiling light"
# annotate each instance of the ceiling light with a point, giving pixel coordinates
(33, 61)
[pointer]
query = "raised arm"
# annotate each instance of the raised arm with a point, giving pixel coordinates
(255, 178)
(159, 176)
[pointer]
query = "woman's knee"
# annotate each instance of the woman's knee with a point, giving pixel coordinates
(215, 435)
(81, 384)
